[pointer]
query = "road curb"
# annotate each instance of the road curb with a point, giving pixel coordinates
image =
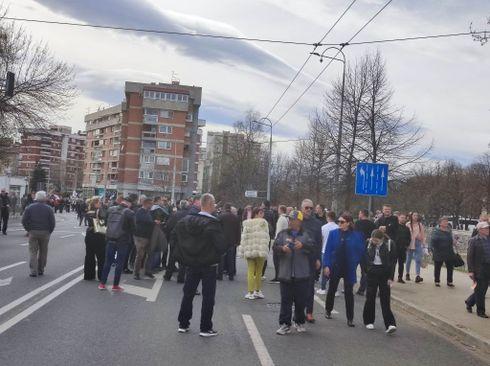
(464, 336)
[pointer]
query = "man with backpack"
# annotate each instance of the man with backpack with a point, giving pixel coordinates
(120, 228)
(199, 246)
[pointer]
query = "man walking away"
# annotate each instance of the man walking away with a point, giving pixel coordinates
(403, 239)
(293, 247)
(4, 210)
(329, 226)
(232, 234)
(366, 228)
(479, 264)
(142, 235)
(120, 228)
(39, 222)
(200, 245)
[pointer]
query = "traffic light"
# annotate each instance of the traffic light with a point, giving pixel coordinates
(9, 84)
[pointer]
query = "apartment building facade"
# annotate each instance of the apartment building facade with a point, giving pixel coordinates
(58, 151)
(149, 144)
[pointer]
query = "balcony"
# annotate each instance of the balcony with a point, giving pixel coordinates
(46, 145)
(150, 119)
(146, 181)
(147, 135)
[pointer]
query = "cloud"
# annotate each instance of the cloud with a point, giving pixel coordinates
(134, 14)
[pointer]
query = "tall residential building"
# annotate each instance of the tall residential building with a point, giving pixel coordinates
(148, 144)
(217, 147)
(58, 151)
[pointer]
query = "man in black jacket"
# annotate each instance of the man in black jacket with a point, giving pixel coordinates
(4, 210)
(232, 233)
(366, 227)
(169, 228)
(403, 239)
(200, 245)
(142, 235)
(388, 223)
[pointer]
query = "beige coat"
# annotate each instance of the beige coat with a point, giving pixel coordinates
(255, 239)
(417, 233)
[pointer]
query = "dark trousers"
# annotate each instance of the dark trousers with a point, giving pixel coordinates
(171, 267)
(130, 256)
(275, 258)
(310, 298)
(4, 218)
(362, 282)
(293, 292)
(348, 295)
(228, 262)
(401, 259)
(194, 275)
(94, 253)
(481, 288)
(471, 300)
(437, 271)
(113, 248)
(377, 278)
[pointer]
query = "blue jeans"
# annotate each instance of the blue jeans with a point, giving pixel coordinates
(415, 254)
(113, 248)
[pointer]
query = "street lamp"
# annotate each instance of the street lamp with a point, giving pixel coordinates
(339, 137)
(270, 125)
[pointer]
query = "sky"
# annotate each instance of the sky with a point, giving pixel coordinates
(443, 84)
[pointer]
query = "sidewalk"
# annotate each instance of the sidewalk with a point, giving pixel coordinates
(444, 307)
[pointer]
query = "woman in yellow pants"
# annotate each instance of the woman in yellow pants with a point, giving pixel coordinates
(254, 246)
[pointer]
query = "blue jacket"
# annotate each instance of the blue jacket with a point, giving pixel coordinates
(355, 251)
(39, 216)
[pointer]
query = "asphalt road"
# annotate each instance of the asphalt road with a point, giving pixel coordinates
(59, 319)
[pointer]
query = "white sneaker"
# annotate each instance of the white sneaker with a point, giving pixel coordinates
(264, 278)
(258, 295)
(321, 292)
(391, 329)
(370, 326)
(284, 329)
(337, 294)
(300, 328)
(250, 296)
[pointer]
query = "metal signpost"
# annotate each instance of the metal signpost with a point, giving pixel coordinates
(372, 180)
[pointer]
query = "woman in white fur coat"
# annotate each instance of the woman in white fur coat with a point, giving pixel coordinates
(254, 247)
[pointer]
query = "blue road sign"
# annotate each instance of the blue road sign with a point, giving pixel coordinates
(372, 179)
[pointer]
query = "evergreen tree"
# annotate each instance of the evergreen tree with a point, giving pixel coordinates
(38, 178)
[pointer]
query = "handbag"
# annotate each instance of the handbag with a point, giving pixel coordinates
(99, 225)
(457, 260)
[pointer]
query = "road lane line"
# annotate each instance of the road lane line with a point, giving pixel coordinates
(36, 306)
(155, 290)
(264, 356)
(33, 293)
(24, 244)
(12, 266)
(66, 236)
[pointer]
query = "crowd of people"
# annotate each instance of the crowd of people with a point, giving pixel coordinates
(199, 242)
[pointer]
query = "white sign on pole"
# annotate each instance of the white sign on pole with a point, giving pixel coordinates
(251, 194)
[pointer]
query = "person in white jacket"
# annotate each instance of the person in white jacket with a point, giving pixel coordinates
(254, 246)
(281, 225)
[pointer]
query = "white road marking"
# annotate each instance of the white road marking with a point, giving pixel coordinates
(6, 281)
(150, 294)
(83, 234)
(33, 293)
(322, 303)
(264, 356)
(24, 244)
(12, 266)
(66, 236)
(36, 306)
(17, 230)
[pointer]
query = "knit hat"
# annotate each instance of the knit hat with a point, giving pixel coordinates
(377, 234)
(296, 215)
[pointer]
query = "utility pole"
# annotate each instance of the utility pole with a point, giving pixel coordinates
(269, 169)
(172, 198)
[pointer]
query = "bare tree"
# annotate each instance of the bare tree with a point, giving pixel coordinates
(43, 85)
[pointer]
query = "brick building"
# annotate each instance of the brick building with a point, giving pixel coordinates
(58, 151)
(147, 144)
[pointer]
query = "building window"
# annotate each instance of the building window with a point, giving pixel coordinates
(148, 159)
(184, 178)
(189, 117)
(162, 160)
(142, 174)
(165, 129)
(185, 165)
(164, 113)
(114, 153)
(166, 145)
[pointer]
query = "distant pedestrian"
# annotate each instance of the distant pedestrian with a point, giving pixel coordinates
(417, 246)
(442, 246)
(158, 242)
(320, 213)
(293, 247)
(254, 246)
(313, 227)
(281, 225)
(144, 225)
(479, 265)
(403, 239)
(380, 256)
(95, 241)
(345, 248)
(13, 203)
(38, 220)
(120, 228)
(326, 229)
(366, 227)
(200, 245)
(4, 210)
(232, 234)
(271, 217)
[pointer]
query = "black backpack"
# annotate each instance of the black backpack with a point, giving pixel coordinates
(115, 223)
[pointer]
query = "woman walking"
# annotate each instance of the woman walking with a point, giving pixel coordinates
(380, 268)
(94, 242)
(254, 246)
(343, 252)
(417, 246)
(441, 244)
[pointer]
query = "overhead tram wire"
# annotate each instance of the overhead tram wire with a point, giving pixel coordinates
(162, 31)
(318, 44)
(417, 38)
(342, 45)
